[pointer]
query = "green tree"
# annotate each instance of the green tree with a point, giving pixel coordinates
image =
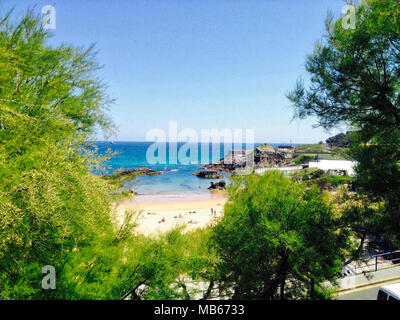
(354, 72)
(378, 180)
(53, 210)
(136, 267)
(50, 104)
(340, 140)
(277, 234)
(354, 80)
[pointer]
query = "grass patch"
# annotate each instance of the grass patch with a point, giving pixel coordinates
(312, 148)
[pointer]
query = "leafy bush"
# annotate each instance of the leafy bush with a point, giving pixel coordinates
(305, 159)
(275, 230)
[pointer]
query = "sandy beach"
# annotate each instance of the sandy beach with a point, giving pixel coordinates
(162, 213)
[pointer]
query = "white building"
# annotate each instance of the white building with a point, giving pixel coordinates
(332, 166)
(282, 169)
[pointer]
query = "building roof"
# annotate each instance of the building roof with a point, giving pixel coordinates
(334, 165)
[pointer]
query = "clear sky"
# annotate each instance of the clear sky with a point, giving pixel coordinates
(204, 63)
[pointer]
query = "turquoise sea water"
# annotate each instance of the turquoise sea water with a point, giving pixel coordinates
(177, 179)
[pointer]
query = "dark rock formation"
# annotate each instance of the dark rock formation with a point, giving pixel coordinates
(118, 177)
(208, 174)
(267, 158)
(140, 171)
(263, 156)
(221, 185)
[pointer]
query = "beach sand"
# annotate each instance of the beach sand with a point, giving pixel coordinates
(161, 214)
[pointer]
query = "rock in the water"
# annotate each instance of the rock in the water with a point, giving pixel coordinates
(221, 185)
(208, 174)
(140, 171)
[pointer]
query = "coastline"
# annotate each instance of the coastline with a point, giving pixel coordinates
(161, 213)
(174, 197)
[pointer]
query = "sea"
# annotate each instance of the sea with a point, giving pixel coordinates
(177, 178)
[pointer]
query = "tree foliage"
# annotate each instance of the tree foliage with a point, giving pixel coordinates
(277, 234)
(341, 140)
(53, 210)
(354, 72)
(50, 102)
(354, 79)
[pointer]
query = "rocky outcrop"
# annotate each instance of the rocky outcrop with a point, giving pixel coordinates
(221, 185)
(119, 177)
(140, 171)
(236, 161)
(208, 174)
(267, 158)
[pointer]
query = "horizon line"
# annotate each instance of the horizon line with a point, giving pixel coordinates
(227, 142)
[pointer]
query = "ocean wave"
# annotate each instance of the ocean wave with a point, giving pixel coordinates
(169, 171)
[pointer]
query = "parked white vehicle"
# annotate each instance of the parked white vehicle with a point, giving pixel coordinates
(389, 292)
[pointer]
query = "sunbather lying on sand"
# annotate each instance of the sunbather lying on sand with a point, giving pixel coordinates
(162, 220)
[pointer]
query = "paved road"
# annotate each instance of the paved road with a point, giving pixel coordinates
(366, 293)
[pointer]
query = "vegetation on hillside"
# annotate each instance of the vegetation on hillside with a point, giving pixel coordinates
(305, 158)
(321, 179)
(312, 148)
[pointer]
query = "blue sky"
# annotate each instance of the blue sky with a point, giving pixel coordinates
(205, 63)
